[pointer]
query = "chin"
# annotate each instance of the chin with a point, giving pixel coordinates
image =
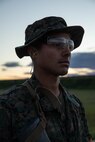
(62, 73)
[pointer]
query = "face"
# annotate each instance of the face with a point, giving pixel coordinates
(53, 59)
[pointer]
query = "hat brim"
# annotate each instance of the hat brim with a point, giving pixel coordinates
(76, 34)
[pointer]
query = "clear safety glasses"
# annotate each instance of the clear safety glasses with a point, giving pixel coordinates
(60, 42)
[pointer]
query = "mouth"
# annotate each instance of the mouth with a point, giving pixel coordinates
(65, 63)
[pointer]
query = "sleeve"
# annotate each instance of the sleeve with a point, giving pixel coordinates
(84, 120)
(5, 132)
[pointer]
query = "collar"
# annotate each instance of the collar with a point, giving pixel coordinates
(45, 93)
(36, 85)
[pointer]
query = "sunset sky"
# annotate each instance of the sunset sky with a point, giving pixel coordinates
(15, 15)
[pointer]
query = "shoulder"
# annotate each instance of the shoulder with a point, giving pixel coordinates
(72, 98)
(75, 101)
(17, 110)
(18, 103)
(14, 95)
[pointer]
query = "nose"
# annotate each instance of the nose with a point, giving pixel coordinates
(66, 51)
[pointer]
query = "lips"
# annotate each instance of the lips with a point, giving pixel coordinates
(62, 61)
(65, 63)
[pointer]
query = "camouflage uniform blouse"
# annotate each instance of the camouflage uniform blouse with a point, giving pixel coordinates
(65, 115)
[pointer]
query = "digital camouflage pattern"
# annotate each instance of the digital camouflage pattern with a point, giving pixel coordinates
(65, 115)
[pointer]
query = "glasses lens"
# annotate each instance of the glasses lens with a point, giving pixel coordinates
(61, 42)
(71, 44)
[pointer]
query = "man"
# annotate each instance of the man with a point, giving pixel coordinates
(41, 109)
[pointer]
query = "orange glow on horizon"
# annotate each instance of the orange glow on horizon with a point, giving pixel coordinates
(15, 73)
(80, 71)
(23, 72)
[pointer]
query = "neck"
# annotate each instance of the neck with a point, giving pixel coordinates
(48, 81)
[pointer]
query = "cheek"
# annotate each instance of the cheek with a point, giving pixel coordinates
(48, 54)
(50, 57)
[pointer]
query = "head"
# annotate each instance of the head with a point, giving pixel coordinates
(53, 54)
(49, 42)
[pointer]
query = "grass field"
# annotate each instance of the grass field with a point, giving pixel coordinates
(88, 99)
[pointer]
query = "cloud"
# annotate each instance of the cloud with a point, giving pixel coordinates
(4, 69)
(11, 64)
(82, 64)
(27, 73)
(83, 60)
(80, 71)
(30, 64)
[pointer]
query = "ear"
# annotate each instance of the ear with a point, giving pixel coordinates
(33, 52)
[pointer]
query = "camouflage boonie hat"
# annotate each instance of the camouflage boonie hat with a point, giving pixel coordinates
(39, 28)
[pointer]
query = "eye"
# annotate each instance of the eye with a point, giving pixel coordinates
(71, 45)
(71, 48)
(59, 45)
